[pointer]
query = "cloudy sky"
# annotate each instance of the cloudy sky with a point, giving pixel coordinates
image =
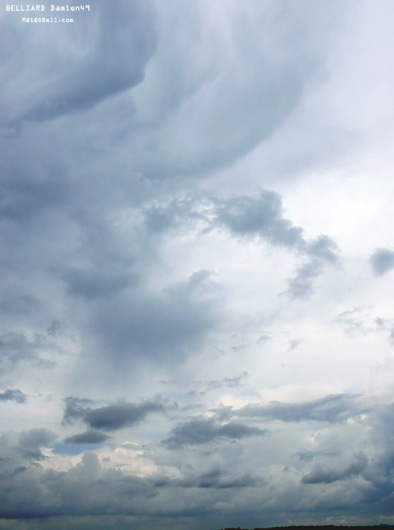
(197, 265)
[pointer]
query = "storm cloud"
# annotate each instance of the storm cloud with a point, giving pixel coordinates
(319, 474)
(75, 409)
(219, 479)
(332, 409)
(20, 449)
(382, 261)
(260, 216)
(201, 431)
(13, 395)
(89, 77)
(118, 416)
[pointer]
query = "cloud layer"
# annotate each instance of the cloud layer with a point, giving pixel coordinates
(195, 273)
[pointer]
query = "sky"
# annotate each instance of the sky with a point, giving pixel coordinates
(197, 265)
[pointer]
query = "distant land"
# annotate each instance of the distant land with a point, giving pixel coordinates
(320, 527)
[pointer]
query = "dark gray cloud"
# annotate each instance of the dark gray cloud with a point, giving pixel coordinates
(19, 304)
(24, 197)
(13, 395)
(79, 80)
(260, 216)
(109, 124)
(126, 320)
(81, 225)
(382, 261)
(105, 279)
(263, 216)
(323, 247)
(201, 431)
(380, 470)
(335, 408)
(320, 474)
(162, 216)
(319, 253)
(34, 492)
(93, 283)
(165, 325)
(222, 124)
(302, 284)
(91, 487)
(54, 329)
(32, 440)
(18, 348)
(75, 409)
(116, 417)
(18, 449)
(213, 131)
(108, 418)
(218, 479)
(88, 437)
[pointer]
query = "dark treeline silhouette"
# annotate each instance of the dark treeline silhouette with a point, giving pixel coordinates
(321, 527)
